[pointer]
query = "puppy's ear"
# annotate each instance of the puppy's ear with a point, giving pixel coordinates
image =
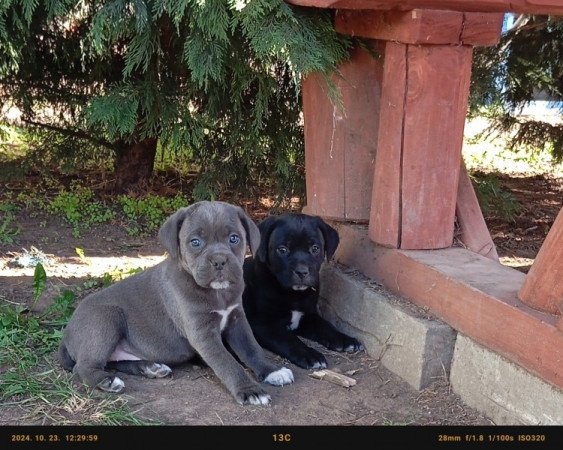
(330, 235)
(265, 227)
(252, 231)
(168, 233)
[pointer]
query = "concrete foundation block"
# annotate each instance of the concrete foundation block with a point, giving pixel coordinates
(409, 342)
(507, 393)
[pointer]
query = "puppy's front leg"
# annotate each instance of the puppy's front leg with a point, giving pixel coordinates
(317, 329)
(238, 335)
(209, 345)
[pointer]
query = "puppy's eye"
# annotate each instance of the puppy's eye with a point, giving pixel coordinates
(234, 238)
(282, 250)
(195, 242)
(315, 249)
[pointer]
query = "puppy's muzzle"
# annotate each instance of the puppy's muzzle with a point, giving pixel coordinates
(301, 278)
(218, 263)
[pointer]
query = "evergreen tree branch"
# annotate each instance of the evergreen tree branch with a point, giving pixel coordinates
(65, 131)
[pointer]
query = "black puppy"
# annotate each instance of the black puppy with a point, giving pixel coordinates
(282, 289)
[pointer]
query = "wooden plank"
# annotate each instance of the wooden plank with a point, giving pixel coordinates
(554, 7)
(543, 288)
(473, 294)
(385, 214)
(340, 140)
(474, 232)
(436, 104)
(408, 27)
(324, 152)
(481, 29)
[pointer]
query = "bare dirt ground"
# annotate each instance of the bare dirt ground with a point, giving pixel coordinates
(193, 395)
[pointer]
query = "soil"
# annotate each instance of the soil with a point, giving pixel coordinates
(194, 396)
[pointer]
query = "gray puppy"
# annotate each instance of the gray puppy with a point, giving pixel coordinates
(189, 304)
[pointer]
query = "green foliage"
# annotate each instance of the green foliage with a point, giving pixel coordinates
(7, 229)
(30, 379)
(80, 208)
(25, 338)
(147, 214)
(493, 198)
(505, 78)
(218, 80)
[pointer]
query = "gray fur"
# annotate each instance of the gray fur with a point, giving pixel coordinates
(169, 313)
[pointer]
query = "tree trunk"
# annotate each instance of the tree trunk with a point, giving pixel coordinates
(134, 163)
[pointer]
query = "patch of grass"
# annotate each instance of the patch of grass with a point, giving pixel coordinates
(493, 198)
(492, 152)
(39, 388)
(145, 215)
(108, 278)
(8, 231)
(80, 208)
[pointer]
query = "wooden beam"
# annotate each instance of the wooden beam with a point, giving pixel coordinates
(408, 27)
(554, 7)
(473, 294)
(421, 26)
(481, 29)
(474, 232)
(543, 288)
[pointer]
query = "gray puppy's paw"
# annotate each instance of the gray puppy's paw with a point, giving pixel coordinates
(260, 399)
(253, 398)
(157, 370)
(110, 384)
(280, 377)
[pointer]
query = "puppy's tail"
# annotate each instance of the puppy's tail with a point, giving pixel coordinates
(64, 358)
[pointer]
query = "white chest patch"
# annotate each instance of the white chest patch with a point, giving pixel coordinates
(224, 313)
(220, 284)
(295, 318)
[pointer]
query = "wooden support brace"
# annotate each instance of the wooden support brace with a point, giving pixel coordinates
(474, 232)
(543, 288)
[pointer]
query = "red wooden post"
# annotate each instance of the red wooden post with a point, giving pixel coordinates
(340, 142)
(435, 108)
(543, 287)
(424, 94)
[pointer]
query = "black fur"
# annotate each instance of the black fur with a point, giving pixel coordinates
(292, 250)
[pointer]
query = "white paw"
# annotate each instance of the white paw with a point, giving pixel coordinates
(114, 385)
(319, 365)
(157, 370)
(262, 399)
(280, 377)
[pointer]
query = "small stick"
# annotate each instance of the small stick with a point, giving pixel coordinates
(334, 377)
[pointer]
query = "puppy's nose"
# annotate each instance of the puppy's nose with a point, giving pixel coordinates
(218, 261)
(301, 271)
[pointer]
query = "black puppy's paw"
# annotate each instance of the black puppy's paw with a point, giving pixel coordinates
(345, 344)
(309, 358)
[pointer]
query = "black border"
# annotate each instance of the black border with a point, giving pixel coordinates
(270, 436)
